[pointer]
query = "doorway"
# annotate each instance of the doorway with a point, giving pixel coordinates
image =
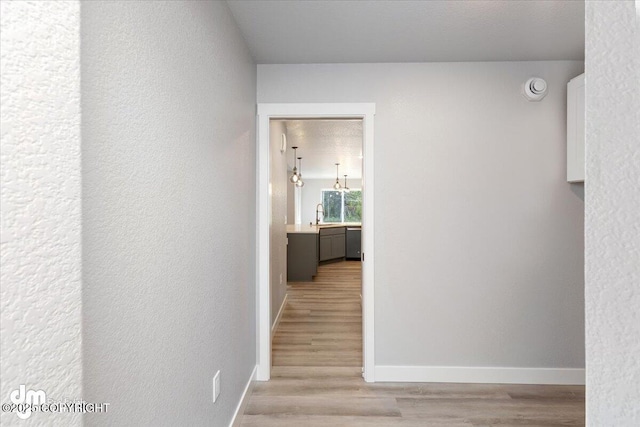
(267, 112)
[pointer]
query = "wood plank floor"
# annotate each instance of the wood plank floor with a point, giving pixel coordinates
(322, 322)
(316, 375)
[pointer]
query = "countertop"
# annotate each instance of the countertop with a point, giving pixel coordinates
(315, 229)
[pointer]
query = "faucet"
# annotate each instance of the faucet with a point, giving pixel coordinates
(319, 208)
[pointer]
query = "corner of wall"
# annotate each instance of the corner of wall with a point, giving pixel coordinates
(612, 247)
(40, 292)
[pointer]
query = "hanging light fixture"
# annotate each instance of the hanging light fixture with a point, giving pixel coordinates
(294, 177)
(337, 185)
(345, 189)
(299, 182)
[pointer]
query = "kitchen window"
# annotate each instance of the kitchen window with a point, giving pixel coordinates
(342, 206)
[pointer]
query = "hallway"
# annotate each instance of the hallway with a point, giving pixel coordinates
(316, 376)
(322, 322)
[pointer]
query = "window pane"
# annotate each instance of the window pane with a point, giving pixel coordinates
(353, 206)
(332, 203)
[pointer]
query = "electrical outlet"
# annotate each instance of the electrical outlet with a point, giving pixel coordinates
(281, 278)
(216, 386)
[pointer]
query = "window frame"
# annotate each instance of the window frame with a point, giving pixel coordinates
(342, 205)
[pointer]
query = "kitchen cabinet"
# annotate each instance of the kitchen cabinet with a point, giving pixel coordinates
(575, 129)
(309, 245)
(302, 257)
(332, 243)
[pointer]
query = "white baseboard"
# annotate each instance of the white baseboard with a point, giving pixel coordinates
(279, 316)
(458, 374)
(244, 399)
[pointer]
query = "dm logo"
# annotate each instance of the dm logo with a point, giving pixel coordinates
(27, 397)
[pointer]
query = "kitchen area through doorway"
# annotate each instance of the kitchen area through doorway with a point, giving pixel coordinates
(315, 245)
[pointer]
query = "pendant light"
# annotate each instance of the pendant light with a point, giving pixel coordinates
(299, 182)
(294, 177)
(337, 185)
(345, 189)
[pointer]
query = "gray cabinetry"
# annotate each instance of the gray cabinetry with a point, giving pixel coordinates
(332, 243)
(338, 249)
(326, 247)
(302, 257)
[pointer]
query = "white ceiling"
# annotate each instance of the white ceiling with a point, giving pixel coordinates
(329, 31)
(322, 144)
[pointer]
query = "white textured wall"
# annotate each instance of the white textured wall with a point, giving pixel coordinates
(478, 236)
(168, 140)
(40, 290)
(291, 206)
(279, 185)
(612, 213)
(312, 195)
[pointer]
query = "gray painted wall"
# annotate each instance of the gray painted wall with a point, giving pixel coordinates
(478, 236)
(612, 221)
(168, 147)
(40, 278)
(279, 183)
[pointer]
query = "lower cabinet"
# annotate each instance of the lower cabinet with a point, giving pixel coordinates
(305, 250)
(338, 246)
(302, 257)
(332, 243)
(326, 247)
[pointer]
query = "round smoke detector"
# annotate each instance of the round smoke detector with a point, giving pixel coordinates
(535, 89)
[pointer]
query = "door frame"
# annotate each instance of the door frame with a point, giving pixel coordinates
(266, 112)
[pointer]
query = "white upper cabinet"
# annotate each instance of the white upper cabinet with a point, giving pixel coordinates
(575, 129)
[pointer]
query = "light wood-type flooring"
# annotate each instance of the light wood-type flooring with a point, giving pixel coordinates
(322, 322)
(316, 376)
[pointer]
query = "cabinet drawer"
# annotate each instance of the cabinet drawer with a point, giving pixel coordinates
(332, 231)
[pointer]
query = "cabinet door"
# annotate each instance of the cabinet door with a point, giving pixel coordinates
(326, 247)
(338, 246)
(302, 257)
